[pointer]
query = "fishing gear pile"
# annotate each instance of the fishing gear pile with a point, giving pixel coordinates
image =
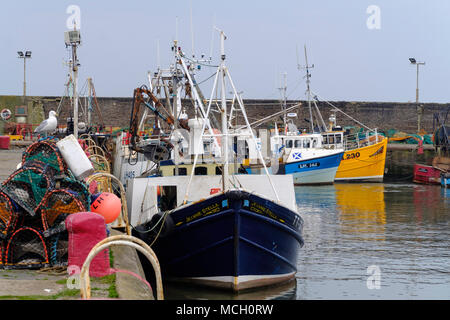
(35, 200)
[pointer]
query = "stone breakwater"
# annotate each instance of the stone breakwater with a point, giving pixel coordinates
(382, 115)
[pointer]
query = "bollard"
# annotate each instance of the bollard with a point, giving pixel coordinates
(85, 230)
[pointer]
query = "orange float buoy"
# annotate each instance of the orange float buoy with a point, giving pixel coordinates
(107, 205)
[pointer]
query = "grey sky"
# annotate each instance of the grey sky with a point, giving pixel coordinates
(352, 62)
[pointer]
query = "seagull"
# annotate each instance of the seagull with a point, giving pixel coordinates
(48, 125)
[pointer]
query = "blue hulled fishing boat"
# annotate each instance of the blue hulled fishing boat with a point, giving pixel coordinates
(227, 230)
(234, 240)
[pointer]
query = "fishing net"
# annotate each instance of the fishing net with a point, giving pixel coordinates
(47, 152)
(57, 205)
(28, 185)
(1, 252)
(78, 188)
(8, 216)
(35, 200)
(26, 248)
(58, 248)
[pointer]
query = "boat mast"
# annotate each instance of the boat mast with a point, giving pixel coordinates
(223, 72)
(309, 91)
(175, 105)
(283, 88)
(224, 111)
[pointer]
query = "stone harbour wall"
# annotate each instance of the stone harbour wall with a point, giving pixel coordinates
(116, 111)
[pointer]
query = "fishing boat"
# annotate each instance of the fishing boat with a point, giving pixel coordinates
(300, 154)
(424, 174)
(364, 152)
(364, 157)
(303, 157)
(237, 239)
(437, 172)
(231, 231)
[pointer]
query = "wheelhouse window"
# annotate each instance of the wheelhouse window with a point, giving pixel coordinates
(306, 143)
(289, 143)
(201, 171)
(331, 139)
(181, 171)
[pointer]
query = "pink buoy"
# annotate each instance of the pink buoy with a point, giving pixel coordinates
(86, 229)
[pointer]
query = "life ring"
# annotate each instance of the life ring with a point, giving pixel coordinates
(6, 114)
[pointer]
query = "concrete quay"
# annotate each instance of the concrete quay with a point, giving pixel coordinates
(56, 284)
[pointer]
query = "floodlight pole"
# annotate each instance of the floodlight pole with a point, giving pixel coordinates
(417, 84)
(24, 55)
(73, 42)
(418, 108)
(75, 94)
(24, 78)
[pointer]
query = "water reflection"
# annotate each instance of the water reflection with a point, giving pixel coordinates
(402, 228)
(411, 226)
(426, 197)
(285, 291)
(361, 210)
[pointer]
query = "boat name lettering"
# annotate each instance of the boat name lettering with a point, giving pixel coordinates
(257, 208)
(309, 165)
(214, 208)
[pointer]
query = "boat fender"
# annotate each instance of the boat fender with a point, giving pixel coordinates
(167, 224)
(237, 195)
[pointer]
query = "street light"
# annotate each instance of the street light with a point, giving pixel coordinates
(419, 110)
(25, 56)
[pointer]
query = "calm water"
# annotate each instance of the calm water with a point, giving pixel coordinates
(401, 229)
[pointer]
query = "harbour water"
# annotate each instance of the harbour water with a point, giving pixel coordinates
(364, 241)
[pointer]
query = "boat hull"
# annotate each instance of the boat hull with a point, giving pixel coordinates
(233, 240)
(424, 174)
(364, 164)
(314, 171)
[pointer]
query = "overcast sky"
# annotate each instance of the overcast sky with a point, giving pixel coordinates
(358, 55)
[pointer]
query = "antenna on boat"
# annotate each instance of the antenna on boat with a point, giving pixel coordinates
(192, 30)
(212, 37)
(176, 28)
(158, 58)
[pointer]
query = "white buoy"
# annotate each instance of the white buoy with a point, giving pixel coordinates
(75, 157)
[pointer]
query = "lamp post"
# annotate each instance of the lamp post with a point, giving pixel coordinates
(419, 109)
(73, 39)
(24, 56)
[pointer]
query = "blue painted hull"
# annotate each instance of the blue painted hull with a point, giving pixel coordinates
(234, 240)
(314, 171)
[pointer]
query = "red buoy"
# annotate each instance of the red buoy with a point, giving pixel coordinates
(107, 205)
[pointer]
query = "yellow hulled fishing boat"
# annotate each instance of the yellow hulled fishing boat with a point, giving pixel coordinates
(365, 163)
(364, 155)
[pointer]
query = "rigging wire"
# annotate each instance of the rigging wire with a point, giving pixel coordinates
(329, 103)
(212, 75)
